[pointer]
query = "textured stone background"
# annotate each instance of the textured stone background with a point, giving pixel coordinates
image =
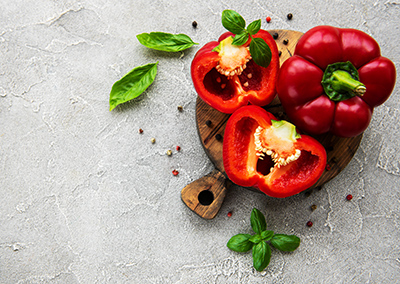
(84, 198)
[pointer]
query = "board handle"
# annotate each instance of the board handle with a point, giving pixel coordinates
(205, 195)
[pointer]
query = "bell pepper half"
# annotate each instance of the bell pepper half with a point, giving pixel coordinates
(228, 78)
(334, 80)
(262, 152)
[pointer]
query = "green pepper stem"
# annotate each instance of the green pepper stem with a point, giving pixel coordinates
(343, 82)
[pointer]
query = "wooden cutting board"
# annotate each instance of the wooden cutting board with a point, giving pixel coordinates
(205, 195)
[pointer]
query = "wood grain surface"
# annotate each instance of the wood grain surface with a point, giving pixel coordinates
(211, 126)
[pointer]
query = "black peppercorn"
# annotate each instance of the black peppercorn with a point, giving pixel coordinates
(194, 24)
(289, 16)
(275, 35)
(218, 136)
(280, 53)
(285, 41)
(208, 123)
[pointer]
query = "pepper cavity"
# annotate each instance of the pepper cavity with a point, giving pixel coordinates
(277, 141)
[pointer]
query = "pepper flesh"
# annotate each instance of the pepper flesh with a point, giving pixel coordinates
(248, 84)
(245, 166)
(300, 87)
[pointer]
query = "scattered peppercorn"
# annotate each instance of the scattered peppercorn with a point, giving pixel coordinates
(280, 53)
(309, 224)
(153, 140)
(268, 19)
(229, 214)
(349, 197)
(169, 152)
(140, 130)
(194, 24)
(218, 136)
(175, 172)
(307, 193)
(208, 123)
(180, 108)
(289, 16)
(328, 167)
(313, 207)
(178, 148)
(285, 41)
(275, 35)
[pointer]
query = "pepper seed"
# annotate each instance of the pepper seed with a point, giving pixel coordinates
(313, 207)
(218, 136)
(153, 140)
(285, 41)
(275, 35)
(280, 53)
(169, 152)
(289, 16)
(208, 123)
(194, 24)
(140, 130)
(180, 108)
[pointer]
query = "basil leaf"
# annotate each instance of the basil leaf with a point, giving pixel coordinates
(260, 52)
(257, 220)
(254, 27)
(233, 22)
(240, 243)
(165, 41)
(132, 84)
(261, 256)
(267, 235)
(285, 242)
(241, 38)
(255, 239)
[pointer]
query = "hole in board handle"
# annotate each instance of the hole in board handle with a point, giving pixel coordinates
(206, 197)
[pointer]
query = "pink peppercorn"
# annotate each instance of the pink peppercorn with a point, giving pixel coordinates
(349, 197)
(309, 224)
(229, 214)
(175, 172)
(178, 148)
(268, 19)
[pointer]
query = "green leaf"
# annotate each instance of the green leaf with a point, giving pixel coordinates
(260, 52)
(240, 243)
(165, 41)
(267, 235)
(233, 22)
(261, 256)
(285, 242)
(257, 220)
(255, 239)
(241, 38)
(132, 84)
(254, 27)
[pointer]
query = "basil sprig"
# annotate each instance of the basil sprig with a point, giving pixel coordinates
(166, 41)
(132, 84)
(259, 49)
(261, 250)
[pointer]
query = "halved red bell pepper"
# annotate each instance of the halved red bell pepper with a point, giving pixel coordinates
(260, 151)
(334, 80)
(229, 79)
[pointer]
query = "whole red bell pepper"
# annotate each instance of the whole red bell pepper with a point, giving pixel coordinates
(334, 80)
(228, 79)
(260, 151)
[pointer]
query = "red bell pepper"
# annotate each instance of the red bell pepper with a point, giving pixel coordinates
(260, 151)
(229, 79)
(334, 80)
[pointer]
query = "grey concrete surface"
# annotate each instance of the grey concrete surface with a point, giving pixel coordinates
(85, 198)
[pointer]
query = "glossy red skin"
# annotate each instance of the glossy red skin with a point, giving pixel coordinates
(241, 163)
(206, 60)
(299, 82)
